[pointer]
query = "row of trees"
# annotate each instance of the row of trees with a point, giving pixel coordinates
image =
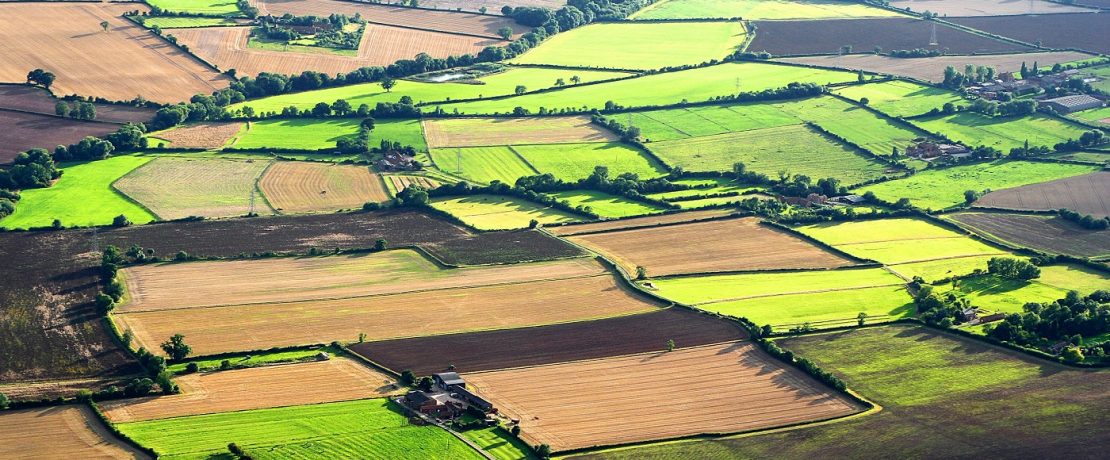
(1086, 221)
(80, 110)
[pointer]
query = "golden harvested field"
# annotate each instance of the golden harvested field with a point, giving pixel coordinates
(120, 64)
(932, 69)
(714, 246)
(226, 48)
(479, 132)
(484, 25)
(174, 188)
(224, 329)
(295, 186)
(338, 379)
(721, 388)
(60, 432)
(399, 183)
(205, 135)
(291, 279)
(637, 222)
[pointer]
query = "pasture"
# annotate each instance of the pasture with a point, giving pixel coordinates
(1096, 116)
(682, 123)
(780, 38)
(1002, 133)
(488, 212)
(638, 46)
(480, 132)
(709, 289)
(875, 134)
(795, 149)
(1043, 233)
(66, 38)
(170, 22)
(293, 186)
(83, 196)
(756, 10)
(712, 246)
(205, 135)
(959, 8)
(944, 188)
(694, 85)
(639, 222)
(500, 444)
(571, 162)
(1079, 31)
(316, 134)
(819, 311)
(1085, 194)
(932, 68)
(605, 205)
(587, 403)
(483, 164)
(372, 427)
(899, 98)
(207, 7)
(942, 269)
(175, 188)
(1009, 296)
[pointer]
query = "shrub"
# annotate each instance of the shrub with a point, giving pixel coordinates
(104, 303)
(192, 368)
(4, 402)
(120, 221)
(225, 365)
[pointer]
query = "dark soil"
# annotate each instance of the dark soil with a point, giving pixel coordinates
(1084, 31)
(24, 131)
(828, 36)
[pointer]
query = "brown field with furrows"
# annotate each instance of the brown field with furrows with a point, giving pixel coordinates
(297, 186)
(60, 432)
(224, 329)
(1040, 232)
(1086, 194)
(400, 183)
(338, 379)
(226, 48)
(34, 99)
(639, 222)
(24, 131)
(932, 69)
(484, 25)
(703, 247)
(721, 388)
(1064, 31)
(292, 279)
(863, 35)
(492, 6)
(476, 132)
(956, 8)
(120, 64)
(205, 135)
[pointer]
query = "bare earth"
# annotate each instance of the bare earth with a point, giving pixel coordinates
(1086, 194)
(476, 132)
(296, 186)
(120, 64)
(723, 388)
(636, 222)
(338, 379)
(59, 432)
(986, 7)
(206, 135)
(932, 69)
(715, 246)
(485, 25)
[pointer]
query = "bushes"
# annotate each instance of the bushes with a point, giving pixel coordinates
(1086, 221)
(1014, 269)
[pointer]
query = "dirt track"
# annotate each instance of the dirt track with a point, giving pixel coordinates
(59, 432)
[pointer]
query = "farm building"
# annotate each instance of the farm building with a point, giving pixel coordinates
(1074, 103)
(927, 150)
(447, 379)
(435, 404)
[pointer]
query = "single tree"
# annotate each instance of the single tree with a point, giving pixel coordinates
(407, 377)
(505, 32)
(367, 124)
(521, 89)
(670, 345)
(970, 196)
(104, 25)
(543, 451)
(120, 221)
(61, 109)
(533, 224)
(861, 318)
(641, 272)
(560, 82)
(388, 83)
(3, 401)
(361, 337)
(575, 79)
(482, 10)
(864, 100)
(176, 347)
(381, 244)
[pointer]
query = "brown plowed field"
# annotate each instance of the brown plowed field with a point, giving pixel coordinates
(206, 135)
(213, 330)
(1086, 194)
(402, 182)
(703, 247)
(485, 25)
(293, 279)
(60, 432)
(125, 62)
(24, 131)
(603, 338)
(720, 388)
(476, 132)
(226, 48)
(957, 8)
(932, 69)
(1043, 233)
(639, 222)
(338, 379)
(296, 186)
(1083, 31)
(863, 35)
(35, 99)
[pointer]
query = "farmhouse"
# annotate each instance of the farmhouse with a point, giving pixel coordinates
(435, 404)
(1074, 103)
(928, 150)
(448, 398)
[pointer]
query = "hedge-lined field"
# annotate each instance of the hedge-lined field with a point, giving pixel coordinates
(821, 310)
(1002, 133)
(571, 162)
(1009, 296)
(482, 164)
(221, 7)
(682, 123)
(859, 126)
(315, 134)
(895, 241)
(716, 288)
(170, 22)
(488, 212)
(606, 205)
(175, 188)
(899, 98)
(758, 9)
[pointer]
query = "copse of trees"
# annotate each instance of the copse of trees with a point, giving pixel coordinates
(80, 110)
(34, 168)
(1011, 268)
(1086, 221)
(1046, 325)
(41, 77)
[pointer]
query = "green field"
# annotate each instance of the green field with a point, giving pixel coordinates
(1104, 73)
(643, 46)
(759, 9)
(605, 205)
(499, 84)
(82, 197)
(895, 241)
(794, 149)
(500, 444)
(488, 212)
(944, 188)
(993, 293)
(942, 397)
(571, 162)
(859, 126)
(935, 270)
(170, 22)
(821, 310)
(1002, 133)
(207, 7)
(694, 85)
(372, 428)
(482, 164)
(1090, 157)
(671, 124)
(697, 290)
(255, 359)
(1096, 116)
(316, 134)
(901, 98)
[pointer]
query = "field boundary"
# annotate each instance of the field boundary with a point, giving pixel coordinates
(127, 197)
(524, 160)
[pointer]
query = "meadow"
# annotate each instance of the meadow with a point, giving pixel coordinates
(207, 7)
(1009, 296)
(1002, 133)
(682, 123)
(482, 164)
(899, 98)
(255, 359)
(479, 132)
(758, 9)
(940, 269)
(488, 212)
(794, 149)
(694, 85)
(859, 126)
(500, 444)
(605, 205)
(1095, 116)
(317, 134)
(943, 188)
(571, 162)
(83, 196)
(638, 46)
(171, 188)
(897, 241)
(700, 290)
(169, 22)
(498, 84)
(820, 310)
(372, 427)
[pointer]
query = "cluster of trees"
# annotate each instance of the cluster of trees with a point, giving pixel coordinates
(1026, 72)
(34, 168)
(79, 110)
(938, 310)
(155, 367)
(329, 32)
(915, 53)
(41, 77)
(1086, 221)
(1045, 325)
(1013, 269)
(627, 133)
(1004, 109)
(1092, 138)
(801, 185)
(972, 74)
